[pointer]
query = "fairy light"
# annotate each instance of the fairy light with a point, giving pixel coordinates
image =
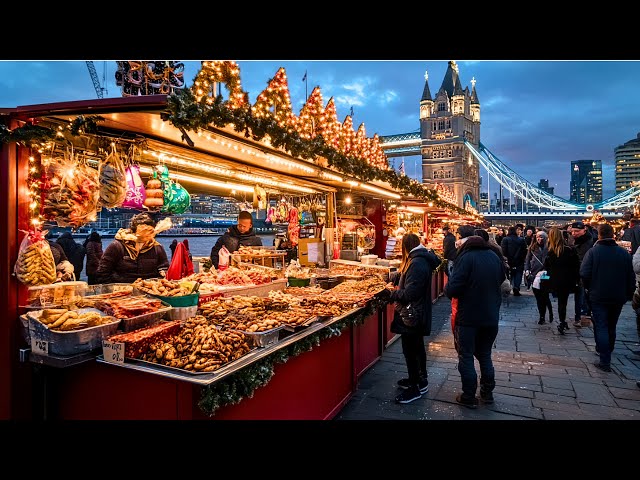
(203, 181)
(35, 181)
(219, 71)
(276, 96)
(311, 115)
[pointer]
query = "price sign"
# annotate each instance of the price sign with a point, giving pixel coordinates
(113, 351)
(39, 347)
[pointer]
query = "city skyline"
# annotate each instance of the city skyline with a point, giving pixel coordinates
(536, 116)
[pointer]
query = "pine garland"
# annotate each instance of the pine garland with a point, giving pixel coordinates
(187, 114)
(26, 135)
(242, 384)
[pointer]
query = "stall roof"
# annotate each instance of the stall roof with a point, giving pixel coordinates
(220, 153)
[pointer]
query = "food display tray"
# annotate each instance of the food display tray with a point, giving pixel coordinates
(145, 320)
(182, 371)
(73, 341)
(264, 338)
(302, 326)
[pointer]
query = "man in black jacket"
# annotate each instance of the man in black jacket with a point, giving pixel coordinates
(239, 235)
(582, 242)
(634, 234)
(449, 248)
(607, 273)
(475, 283)
(514, 248)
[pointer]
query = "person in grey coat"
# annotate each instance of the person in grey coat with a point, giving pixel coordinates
(607, 273)
(475, 283)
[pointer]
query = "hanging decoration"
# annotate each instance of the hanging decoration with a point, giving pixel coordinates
(154, 193)
(223, 72)
(113, 179)
(149, 77)
(26, 135)
(176, 198)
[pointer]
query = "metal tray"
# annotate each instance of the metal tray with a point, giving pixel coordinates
(264, 338)
(145, 320)
(301, 326)
(136, 361)
(73, 341)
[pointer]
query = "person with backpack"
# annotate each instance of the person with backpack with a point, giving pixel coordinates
(134, 253)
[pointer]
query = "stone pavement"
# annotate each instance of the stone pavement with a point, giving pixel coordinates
(540, 374)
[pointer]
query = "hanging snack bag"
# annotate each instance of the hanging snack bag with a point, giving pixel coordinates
(223, 258)
(136, 193)
(155, 194)
(35, 264)
(73, 191)
(113, 180)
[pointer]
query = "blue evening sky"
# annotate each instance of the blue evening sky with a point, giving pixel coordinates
(537, 116)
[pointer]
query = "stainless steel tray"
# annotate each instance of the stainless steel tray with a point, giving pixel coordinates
(145, 320)
(302, 326)
(73, 341)
(262, 339)
(182, 371)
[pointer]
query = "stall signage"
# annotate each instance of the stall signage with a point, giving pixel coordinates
(113, 351)
(39, 347)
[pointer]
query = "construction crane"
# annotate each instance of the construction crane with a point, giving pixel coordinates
(100, 90)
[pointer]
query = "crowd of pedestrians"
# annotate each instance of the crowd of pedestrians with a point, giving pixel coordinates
(579, 260)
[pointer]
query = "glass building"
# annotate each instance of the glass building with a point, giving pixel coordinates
(586, 181)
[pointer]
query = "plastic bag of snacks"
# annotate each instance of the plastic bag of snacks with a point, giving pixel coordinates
(35, 264)
(136, 193)
(113, 180)
(72, 190)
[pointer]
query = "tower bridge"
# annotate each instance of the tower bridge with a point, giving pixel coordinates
(453, 155)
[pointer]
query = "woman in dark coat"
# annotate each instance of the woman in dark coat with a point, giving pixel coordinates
(93, 246)
(536, 255)
(414, 291)
(74, 251)
(563, 267)
(133, 254)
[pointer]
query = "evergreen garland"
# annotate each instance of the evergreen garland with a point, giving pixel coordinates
(26, 135)
(187, 114)
(232, 389)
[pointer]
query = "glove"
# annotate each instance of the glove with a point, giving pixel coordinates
(385, 295)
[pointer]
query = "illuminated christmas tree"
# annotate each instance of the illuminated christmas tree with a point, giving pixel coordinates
(224, 72)
(379, 158)
(275, 102)
(311, 115)
(360, 145)
(347, 136)
(330, 126)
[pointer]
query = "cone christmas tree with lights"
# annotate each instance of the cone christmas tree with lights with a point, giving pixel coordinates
(347, 136)
(330, 126)
(311, 115)
(275, 102)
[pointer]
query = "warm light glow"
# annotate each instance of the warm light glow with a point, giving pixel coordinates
(203, 181)
(347, 200)
(380, 191)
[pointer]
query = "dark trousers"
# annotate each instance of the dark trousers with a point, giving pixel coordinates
(475, 342)
(605, 319)
(581, 303)
(516, 277)
(92, 279)
(415, 356)
(563, 299)
(544, 302)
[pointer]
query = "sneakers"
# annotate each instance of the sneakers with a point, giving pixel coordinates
(467, 402)
(408, 395)
(423, 385)
(600, 366)
(541, 321)
(486, 397)
(516, 292)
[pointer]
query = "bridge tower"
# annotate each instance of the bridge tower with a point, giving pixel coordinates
(446, 120)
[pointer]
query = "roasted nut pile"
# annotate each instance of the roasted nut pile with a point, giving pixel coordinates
(199, 347)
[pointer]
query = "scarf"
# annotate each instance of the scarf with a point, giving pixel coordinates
(130, 240)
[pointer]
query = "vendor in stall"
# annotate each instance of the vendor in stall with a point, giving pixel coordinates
(135, 253)
(236, 236)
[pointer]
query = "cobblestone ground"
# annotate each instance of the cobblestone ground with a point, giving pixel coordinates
(540, 374)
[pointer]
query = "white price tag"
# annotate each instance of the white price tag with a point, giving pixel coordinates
(39, 347)
(113, 351)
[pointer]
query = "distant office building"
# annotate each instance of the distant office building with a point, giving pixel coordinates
(483, 203)
(543, 185)
(586, 181)
(627, 164)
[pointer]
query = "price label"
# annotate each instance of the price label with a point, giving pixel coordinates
(113, 351)
(39, 347)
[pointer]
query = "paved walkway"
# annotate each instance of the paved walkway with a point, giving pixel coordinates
(540, 374)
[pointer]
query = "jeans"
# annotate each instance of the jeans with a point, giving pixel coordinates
(581, 306)
(605, 319)
(415, 356)
(544, 302)
(516, 277)
(563, 299)
(475, 342)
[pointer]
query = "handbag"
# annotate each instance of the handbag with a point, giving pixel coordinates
(409, 314)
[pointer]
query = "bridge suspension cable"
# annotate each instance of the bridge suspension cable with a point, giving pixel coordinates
(531, 194)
